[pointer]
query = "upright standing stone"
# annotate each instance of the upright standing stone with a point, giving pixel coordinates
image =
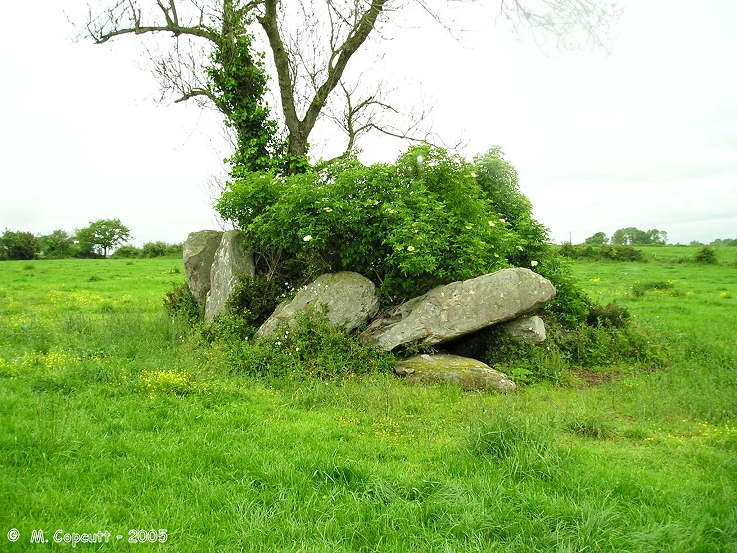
(198, 255)
(232, 261)
(459, 308)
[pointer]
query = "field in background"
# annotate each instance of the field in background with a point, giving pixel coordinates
(113, 418)
(725, 254)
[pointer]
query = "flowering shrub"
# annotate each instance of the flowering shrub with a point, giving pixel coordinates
(430, 218)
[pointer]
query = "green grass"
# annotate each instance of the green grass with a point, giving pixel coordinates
(725, 254)
(113, 418)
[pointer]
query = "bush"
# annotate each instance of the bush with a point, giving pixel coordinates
(19, 245)
(705, 255)
(610, 339)
(174, 249)
(58, 245)
(614, 315)
(639, 288)
(154, 249)
(311, 348)
(252, 302)
(428, 219)
(180, 303)
(601, 253)
(127, 252)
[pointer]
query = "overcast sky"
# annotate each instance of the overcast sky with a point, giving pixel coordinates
(641, 134)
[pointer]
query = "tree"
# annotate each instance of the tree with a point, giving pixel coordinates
(102, 234)
(57, 244)
(18, 245)
(632, 235)
(597, 239)
(213, 60)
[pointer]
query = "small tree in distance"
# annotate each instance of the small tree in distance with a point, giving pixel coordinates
(103, 234)
(597, 239)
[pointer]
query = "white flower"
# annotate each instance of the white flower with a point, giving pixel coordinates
(473, 174)
(469, 227)
(502, 220)
(420, 159)
(491, 223)
(390, 211)
(307, 238)
(410, 248)
(519, 248)
(533, 263)
(328, 209)
(496, 255)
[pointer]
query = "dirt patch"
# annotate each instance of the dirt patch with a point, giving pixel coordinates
(590, 378)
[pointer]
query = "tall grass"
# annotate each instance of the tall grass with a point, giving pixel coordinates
(116, 418)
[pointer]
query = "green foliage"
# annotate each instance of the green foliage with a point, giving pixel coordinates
(126, 252)
(100, 236)
(597, 239)
(19, 245)
(179, 303)
(154, 249)
(611, 314)
(238, 85)
(632, 235)
(57, 245)
(312, 348)
(609, 339)
(705, 255)
(252, 301)
(729, 242)
(603, 252)
(428, 219)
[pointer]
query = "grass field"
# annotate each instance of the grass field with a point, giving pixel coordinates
(114, 419)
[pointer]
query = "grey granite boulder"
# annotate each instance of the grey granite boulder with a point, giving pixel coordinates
(469, 373)
(350, 300)
(459, 308)
(526, 329)
(198, 255)
(231, 262)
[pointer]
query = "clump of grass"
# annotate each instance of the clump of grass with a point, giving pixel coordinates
(705, 255)
(173, 271)
(590, 425)
(523, 448)
(29, 267)
(639, 288)
(94, 278)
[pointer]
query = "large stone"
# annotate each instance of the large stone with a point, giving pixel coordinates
(459, 308)
(471, 374)
(350, 300)
(231, 262)
(526, 329)
(198, 255)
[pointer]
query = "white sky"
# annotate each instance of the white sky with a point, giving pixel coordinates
(644, 134)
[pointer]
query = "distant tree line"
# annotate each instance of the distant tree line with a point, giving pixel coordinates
(96, 240)
(634, 236)
(629, 236)
(716, 243)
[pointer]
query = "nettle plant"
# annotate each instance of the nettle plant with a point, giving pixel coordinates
(429, 218)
